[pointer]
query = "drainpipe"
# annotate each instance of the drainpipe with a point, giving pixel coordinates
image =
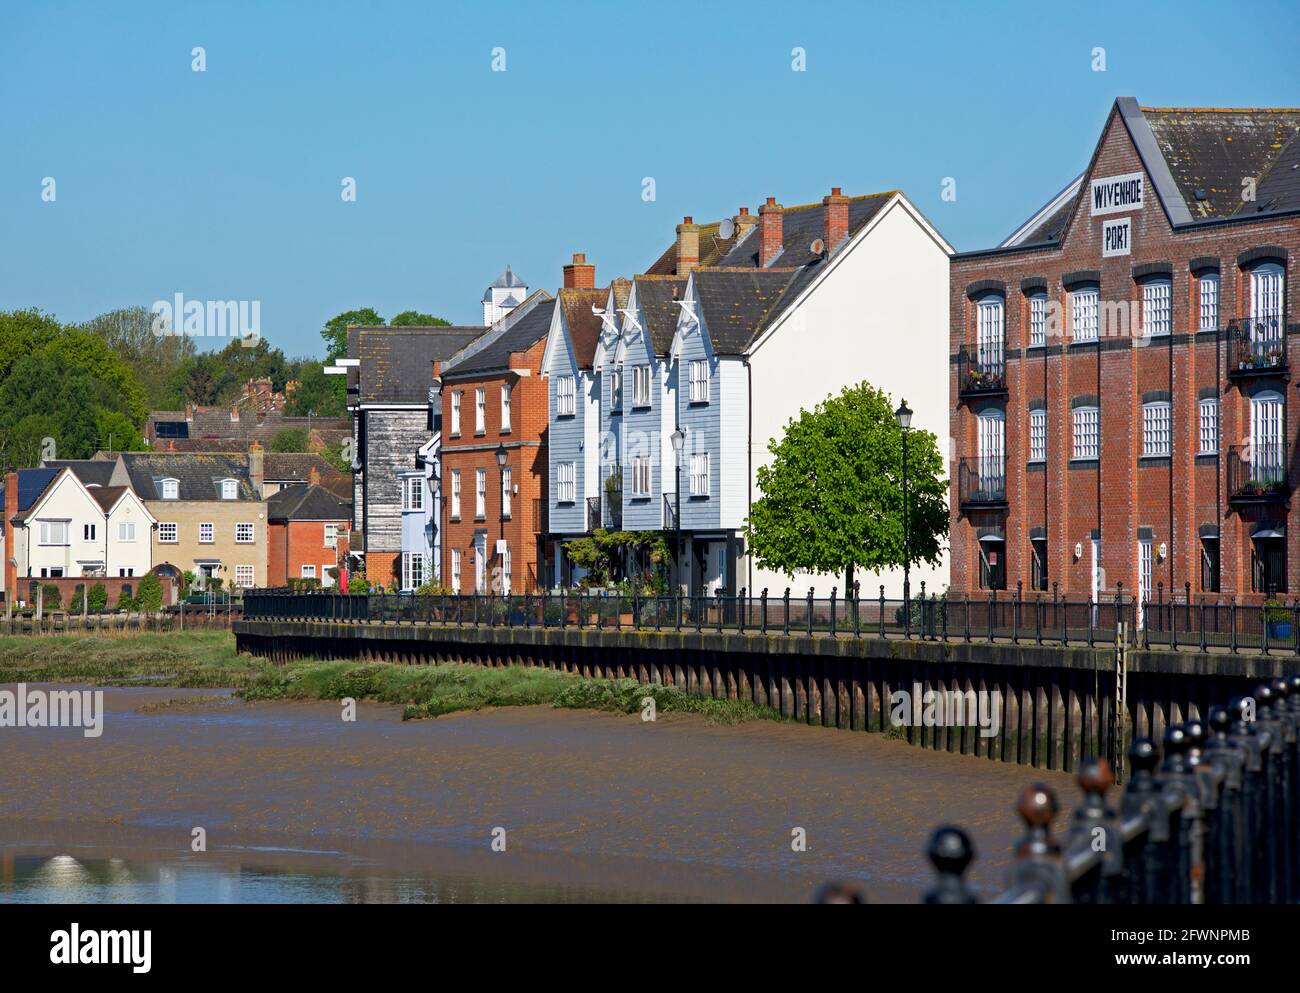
(749, 456)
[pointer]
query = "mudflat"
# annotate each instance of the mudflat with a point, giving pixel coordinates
(593, 805)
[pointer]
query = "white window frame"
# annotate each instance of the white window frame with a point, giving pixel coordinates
(1268, 435)
(307, 571)
(165, 528)
(615, 390)
(53, 533)
(209, 529)
(1037, 320)
(331, 532)
(991, 449)
(566, 485)
(565, 396)
(1085, 313)
(990, 322)
(126, 531)
(480, 410)
(455, 494)
(245, 576)
(229, 489)
(1267, 300)
(413, 493)
(505, 407)
(699, 474)
(1208, 301)
(641, 386)
(171, 489)
(507, 484)
(1157, 308)
(455, 411)
(642, 474)
(506, 566)
(88, 532)
(1085, 433)
(1157, 429)
(245, 528)
(480, 494)
(1208, 419)
(699, 380)
(455, 570)
(413, 570)
(1038, 434)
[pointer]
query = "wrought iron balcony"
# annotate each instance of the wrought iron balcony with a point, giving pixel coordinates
(611, 510)
(593, 513)
(670, 511)
(981, 372)
(1257, 473)
(982, 482)
(1257, 347)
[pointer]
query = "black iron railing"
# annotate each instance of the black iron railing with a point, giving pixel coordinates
(1257, 473)
(982, 481)
(981, 370)
(1216, 822)
(1256, 346)
(593, 513)
(1208, 624)
(670, 512)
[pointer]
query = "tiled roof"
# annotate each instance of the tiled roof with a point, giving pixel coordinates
(106, 496)
(584, 326)
(199, 475)
(737, 304)
(91, 472)
(520, 330)
(295, 466)
(304, 502)
(397, 363)
(800, 227)
(655, 295)
(712, 250)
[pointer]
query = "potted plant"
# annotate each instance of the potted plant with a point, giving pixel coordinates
(1278, 619)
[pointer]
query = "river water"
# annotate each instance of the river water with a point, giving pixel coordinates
(533, 804)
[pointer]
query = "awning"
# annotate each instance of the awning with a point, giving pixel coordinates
(992, 538)
(1269, 533)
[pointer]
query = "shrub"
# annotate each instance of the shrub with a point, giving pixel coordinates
(98, 598)
(77, 600)
(52, 598)
(125, 601)
(149, 597)
(358, 584)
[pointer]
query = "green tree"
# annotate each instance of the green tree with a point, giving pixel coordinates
(415, 319)
(832, 497)
(154, 358)
(149, 596)
(97, 598)
(335, 331)
(316, 393)
(290, 440)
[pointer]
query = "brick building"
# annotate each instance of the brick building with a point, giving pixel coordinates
(1120, 382)
(493, 403)
(307, 533)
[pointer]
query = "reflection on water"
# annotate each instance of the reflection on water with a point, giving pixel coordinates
(65, 879)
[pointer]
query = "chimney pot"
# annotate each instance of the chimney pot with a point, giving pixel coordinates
(835, 218)
(579, 274)
(771, 201)
(835, 191)
(688, 246)
(771, 230)
(744, 211)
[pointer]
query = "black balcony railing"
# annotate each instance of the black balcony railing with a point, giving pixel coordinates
(593, 513)
(1257, 473)
(982, 481)
(981, 370)
(670, 511)
(1256, 347)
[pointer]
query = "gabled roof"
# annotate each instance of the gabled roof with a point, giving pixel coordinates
(397, 363)
(519, 331)
(107, 496)
(31, 484)
(800, 227)
(655, 296)
(199, 476)
(91, 472)
(712, 249)
(736, 304)
(296, 467)
(306, 502)
(584, 326)
(507, 280)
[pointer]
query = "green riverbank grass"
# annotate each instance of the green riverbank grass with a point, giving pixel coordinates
(207, 659)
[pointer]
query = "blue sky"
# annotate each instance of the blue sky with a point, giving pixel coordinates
(225, 184)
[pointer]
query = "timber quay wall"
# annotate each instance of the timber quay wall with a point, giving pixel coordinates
(1054, 705)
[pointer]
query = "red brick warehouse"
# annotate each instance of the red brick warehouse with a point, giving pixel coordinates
(1120, 385)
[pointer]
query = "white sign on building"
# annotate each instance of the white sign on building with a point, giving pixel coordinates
(1117, 237)
(1114, 194)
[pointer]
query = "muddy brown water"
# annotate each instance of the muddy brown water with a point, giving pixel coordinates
(594, 806)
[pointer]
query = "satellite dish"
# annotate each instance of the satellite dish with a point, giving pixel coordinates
(726, 228)
(818, 247)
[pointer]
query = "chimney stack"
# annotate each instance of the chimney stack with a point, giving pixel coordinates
(234, 413)
(771, 231)
(835, 218)
(313, 476)
(10, 552)
(579, 274)
(189, 412)
(688, 246)
(256, 466)
(744, 222)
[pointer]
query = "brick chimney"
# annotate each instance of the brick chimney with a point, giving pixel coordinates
(744, 222)
(771, 231)
(835, 218)
(11, 556)
(256, 465)
(313, 476)
(579, 274)
(234, 413)
(189, 412)
(688, 246)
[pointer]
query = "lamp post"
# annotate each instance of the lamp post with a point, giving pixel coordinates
(502, 457)
(678, 438)
(904, 417)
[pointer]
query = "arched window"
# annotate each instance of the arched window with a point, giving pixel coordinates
(992, 448)
(171, 489)
(990, 328)
(1266, 301)
(1268, 437)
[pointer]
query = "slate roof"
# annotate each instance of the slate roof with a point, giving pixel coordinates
(737, 304)
(800, 227)
(305, 502)
(584, 326)
(397, 363)
(199, 475)
(107, 496)
(31, 484)
(507, 279)
(712, 250)
(493, 350)
(91, 472)
(1196, 158)
(294, 466)
(655, 295)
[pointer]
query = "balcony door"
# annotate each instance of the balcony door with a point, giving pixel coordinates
(992, 451)
(1267, 438)
(991, 334)
(1266, 302)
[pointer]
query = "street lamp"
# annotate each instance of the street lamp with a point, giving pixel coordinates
(678, 438)
(502, 457)
(904, 417)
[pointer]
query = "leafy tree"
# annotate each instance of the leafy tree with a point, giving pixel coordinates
(149, 596)
(316, 393)
(290, 440)
(50, 596)
(335, 331)
(98, 598)
(833, 494)
(415, 319)
(125, 601)
(153, 358)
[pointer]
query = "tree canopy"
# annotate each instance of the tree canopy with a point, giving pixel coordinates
(832, 497)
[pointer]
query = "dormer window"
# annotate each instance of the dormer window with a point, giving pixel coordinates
(229, 489)
(171, 489)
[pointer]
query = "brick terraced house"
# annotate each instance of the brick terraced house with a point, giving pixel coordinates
(1122, 401)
